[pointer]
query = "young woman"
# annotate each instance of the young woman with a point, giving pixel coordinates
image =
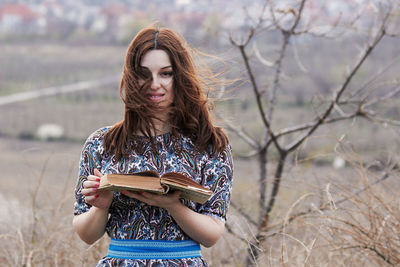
(166, 127)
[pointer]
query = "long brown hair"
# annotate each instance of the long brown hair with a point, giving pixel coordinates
(189, 114)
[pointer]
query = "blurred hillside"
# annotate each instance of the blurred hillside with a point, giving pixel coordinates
(56, 43)
(113, 22)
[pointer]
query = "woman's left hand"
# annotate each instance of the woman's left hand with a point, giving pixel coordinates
(200, 227)
(163, 201)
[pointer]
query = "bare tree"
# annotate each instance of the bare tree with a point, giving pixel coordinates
(350, 98)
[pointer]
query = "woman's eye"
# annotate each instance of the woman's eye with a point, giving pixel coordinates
(144, 74)
(166, 74)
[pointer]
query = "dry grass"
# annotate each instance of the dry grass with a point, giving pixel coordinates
(36, 226)
(342, 223)
(36, 229)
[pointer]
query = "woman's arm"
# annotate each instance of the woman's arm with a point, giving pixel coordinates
(91, 225)
(204, 229)
(201, 228)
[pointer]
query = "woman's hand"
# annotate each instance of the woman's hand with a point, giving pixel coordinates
(91, 225)
(201, 228)
(101, 200)
(163, 201)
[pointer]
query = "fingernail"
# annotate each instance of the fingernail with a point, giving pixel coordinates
(98, 179)
(96, 196)
(95, 189)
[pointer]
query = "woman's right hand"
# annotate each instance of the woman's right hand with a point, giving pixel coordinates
(101, 200)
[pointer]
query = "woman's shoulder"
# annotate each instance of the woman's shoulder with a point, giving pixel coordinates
(209, 152)
(99, 133)
(96, 138)
(224, 153)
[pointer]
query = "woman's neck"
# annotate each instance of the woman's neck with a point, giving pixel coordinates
(160, 127)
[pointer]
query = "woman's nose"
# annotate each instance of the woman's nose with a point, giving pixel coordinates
(155, 82)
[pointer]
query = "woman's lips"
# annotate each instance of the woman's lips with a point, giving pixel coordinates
(156, 97)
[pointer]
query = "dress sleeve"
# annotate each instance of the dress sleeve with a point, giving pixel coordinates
(218, 175)
(89, 160)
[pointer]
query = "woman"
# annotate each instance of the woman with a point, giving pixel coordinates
(166, 127)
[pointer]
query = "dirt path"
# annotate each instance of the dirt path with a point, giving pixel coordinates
(85, 85)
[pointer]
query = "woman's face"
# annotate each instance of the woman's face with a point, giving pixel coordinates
(157, 66)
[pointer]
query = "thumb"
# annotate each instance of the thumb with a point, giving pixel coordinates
(177, 194)
(97, 173)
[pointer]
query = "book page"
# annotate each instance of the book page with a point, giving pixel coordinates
(193, 193)
(130, 188)
(145, 173)
(179, 179)
(131, 182)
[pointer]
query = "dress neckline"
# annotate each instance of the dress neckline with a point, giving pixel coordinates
(154, 137)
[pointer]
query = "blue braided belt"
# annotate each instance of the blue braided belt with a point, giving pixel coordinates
(153, 249)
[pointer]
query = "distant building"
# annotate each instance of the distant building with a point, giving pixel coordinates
(20, 19)
(50, 8)
(112, 20)
(113, 15)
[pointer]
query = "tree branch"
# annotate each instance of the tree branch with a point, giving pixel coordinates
(384, 121)
(260, 57)
(242, 134)
(389, 95)
(308, 125)
(374, 77)
(298, 17)
(279, 63)
(230, 230)
(244, 214)
(275, 189)
(258, 97)
(321, 119)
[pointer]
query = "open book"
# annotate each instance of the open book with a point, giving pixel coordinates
(151, 181)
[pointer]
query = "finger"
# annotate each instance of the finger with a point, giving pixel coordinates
(131, 194)
(146, 194)
(176, 194)
(93, 178)
(90, 184)
(91, 199)
(138, 196)
(97, 173)
(89, 191)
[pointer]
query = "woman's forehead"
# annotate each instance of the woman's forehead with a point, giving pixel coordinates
(155, 59)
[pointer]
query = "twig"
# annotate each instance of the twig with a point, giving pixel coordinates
(258, 97)
(244, 214)
(242, 134)
(389, 95)
(326, 205)
(260, 57)
(34, 199)
(338, 94)
(375, 77)
(383, 121)
(308, 125)
(229, 229)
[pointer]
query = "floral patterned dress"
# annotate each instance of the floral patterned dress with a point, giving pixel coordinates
(133, 219)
